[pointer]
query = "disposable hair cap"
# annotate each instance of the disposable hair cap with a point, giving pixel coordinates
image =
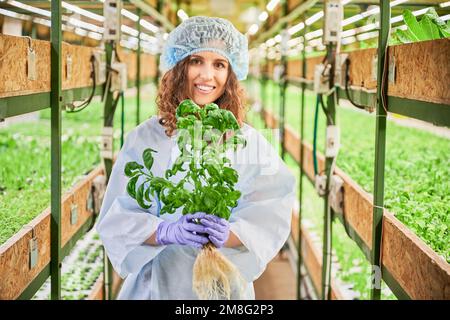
(198, 34)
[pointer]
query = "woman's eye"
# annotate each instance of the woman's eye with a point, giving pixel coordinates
(195, 61)
(220, 65)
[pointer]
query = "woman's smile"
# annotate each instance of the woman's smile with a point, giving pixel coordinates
(204, 89)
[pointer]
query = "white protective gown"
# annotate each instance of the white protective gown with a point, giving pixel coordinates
(261, 220)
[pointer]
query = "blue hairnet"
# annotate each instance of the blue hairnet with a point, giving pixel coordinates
(206, 34)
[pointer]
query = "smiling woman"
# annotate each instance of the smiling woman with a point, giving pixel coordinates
(207, 77)
(196, 252)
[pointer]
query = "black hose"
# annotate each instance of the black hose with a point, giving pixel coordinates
(347, 79)
(85, 103)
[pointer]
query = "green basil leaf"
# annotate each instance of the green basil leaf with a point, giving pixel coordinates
(148, 158)
(131, 168)
(140, 197)
(187, 107)
(131, 187)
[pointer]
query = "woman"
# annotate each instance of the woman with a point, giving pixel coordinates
(204, 58)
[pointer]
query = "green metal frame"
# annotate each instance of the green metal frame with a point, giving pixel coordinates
(108, 121)
(138, 70)
(328, 212)
(18, 105)
(302, 127)
(56, 99)
(283, 85)
(263, 89)
(435, 113)
(380, 150)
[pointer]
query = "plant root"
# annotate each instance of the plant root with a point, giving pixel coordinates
(214, 276)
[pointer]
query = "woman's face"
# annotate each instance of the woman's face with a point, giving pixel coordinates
(207, 76)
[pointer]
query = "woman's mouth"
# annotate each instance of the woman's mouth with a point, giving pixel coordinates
(204, 88)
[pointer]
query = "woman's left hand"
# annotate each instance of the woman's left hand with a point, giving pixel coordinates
(217, 229)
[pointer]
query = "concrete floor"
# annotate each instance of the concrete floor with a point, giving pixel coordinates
(277, 282)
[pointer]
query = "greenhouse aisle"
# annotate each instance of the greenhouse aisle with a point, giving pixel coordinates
(277, 282)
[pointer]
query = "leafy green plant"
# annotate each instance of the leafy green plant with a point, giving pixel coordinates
(201, 140)
(430, 27)
(204, 136)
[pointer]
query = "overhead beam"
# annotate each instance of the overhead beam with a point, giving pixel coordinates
(294, 14)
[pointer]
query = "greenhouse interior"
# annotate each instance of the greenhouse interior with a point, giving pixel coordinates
(353, 96)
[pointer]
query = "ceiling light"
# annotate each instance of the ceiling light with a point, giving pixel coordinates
(314, 34)
(253, 29)
(263, 16)
(149, 26)
(130, 15)
(296, 28)
(314, 18)
(13, 14)
(182, 15)
(30, 8)
(82, 12)
(272, 4)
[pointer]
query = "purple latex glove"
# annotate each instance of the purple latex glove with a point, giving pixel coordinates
(217, 229)
(182, 231)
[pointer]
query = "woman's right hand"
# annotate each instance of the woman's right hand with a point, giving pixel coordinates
(182, 231)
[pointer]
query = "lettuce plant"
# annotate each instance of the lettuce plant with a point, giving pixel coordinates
(430, 27)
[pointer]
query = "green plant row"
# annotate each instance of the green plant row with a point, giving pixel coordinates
(429, 27)
(25, 158)
(354, 271)
(80, 270)
(416, 171)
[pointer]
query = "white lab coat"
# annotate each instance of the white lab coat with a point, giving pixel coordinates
(261, 219)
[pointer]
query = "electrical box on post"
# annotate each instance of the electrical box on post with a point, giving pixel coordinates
(336, 196)
(106, 149)
(285, 37)
(119, 79)
(321, 73)
(100, 67)
(320, 183)
(333, 16)
(113, 19)
(340, 69)
(333, 141)
(278, 71)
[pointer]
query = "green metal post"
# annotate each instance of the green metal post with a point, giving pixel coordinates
(380, 149)
(33, 31)
(109, 105)
(328, 214)
(159, 7)
(56, 100)
(302, 126)
(108, 121)
(263, 85)
(283, 85)
(138, 71)
(122, 118)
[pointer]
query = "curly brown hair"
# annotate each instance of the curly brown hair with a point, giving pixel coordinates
(172, 91)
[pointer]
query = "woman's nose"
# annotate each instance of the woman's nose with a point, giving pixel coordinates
(206, 72)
